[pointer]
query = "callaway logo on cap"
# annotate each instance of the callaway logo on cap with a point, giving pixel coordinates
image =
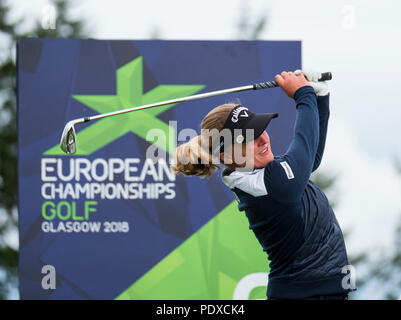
(242, 119)
(237, 112)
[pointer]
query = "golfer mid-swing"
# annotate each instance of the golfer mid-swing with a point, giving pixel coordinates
(289, 215)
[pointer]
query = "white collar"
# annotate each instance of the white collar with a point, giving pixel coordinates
(251, 182)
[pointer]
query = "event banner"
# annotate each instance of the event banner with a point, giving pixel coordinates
(111, 222)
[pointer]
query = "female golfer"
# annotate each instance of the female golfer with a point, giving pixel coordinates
(289, 215)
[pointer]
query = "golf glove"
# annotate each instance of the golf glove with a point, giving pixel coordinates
(321, 87)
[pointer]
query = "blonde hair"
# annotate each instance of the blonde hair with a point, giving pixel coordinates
(198, 161)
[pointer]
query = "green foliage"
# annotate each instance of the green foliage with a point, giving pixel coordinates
(386, 268)
(65, 27)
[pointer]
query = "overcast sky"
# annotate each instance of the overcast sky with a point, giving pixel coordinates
(357, 40)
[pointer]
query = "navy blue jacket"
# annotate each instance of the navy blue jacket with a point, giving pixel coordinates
(290, 216)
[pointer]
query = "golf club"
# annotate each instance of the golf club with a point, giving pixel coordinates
(68, 142)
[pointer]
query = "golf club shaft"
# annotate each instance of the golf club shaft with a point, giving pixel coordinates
(172, 101)
(262, 85)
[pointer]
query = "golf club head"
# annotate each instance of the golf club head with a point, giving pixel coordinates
(68, 141)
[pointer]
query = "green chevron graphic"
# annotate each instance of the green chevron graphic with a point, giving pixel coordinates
(208, 265)
(129, 94)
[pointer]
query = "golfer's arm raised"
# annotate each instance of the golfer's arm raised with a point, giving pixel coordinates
(286, 177)
(322, 92)
(324, 114)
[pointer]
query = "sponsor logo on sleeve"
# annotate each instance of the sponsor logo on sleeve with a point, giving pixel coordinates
(287, 169)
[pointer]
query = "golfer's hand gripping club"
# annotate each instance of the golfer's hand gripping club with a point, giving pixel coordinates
(324, 76)
(321, 87)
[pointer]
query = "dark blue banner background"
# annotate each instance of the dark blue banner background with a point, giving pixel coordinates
(51, 71)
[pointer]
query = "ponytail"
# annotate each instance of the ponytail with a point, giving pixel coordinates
(193, 160)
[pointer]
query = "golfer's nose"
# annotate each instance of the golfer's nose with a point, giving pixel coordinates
(262, 139)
